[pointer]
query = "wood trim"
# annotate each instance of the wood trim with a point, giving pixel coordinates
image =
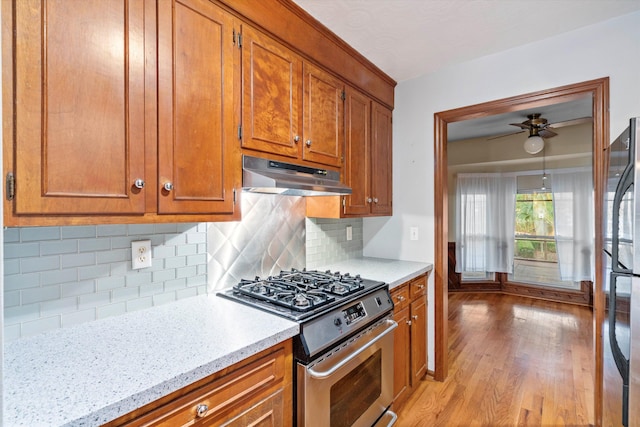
(584, 296)
(598, 89)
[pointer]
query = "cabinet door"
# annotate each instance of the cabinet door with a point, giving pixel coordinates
(79, 107)
(401, 357)
(418, 339)
(381, 163)
(199, 159)
(357, 171)
(323, 111)
(271, 95)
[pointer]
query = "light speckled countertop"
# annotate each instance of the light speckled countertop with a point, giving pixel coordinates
(391, 271)
(92, 373)
(95, 372)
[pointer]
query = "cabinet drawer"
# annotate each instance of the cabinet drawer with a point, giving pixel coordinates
(418, 287)
(400, 297)
(225, 397)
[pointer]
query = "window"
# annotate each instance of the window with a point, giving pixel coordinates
(535, 255)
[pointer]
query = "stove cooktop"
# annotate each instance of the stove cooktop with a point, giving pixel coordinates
(301, 294)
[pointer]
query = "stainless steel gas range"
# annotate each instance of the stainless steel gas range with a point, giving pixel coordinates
(345, 346)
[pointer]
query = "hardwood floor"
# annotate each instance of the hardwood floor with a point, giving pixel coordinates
(514, 361)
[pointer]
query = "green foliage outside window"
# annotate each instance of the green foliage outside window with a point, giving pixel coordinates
(534, 226)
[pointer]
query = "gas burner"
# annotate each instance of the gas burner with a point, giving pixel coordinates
(300, 300)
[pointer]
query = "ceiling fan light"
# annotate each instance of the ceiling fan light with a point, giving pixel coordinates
(534, 144)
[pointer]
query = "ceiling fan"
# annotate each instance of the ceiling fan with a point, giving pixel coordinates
(539, 128)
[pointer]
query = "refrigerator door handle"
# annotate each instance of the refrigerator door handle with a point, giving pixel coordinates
(622, 363)
(626, 181)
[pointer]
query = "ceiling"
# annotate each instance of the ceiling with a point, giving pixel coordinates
(410, 38)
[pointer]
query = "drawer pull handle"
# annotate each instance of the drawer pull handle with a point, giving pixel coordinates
(401, 298)
(421, 286)
(201, 410)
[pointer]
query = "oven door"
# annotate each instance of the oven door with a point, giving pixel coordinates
(351, 385)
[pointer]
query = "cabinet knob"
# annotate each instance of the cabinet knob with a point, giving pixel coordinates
(409, 322)
(414, 317)
(139, 183)
(420, 286)
(201, 410)
(400, 298)
(296, 139)
(369, 200)
(375, 200)
(168, 186)
(308, 143)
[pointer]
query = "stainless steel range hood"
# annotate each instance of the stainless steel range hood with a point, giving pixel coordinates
(275, 177)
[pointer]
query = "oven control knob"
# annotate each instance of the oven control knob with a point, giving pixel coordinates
(337, 321)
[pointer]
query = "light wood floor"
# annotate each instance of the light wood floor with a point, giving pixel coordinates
(513, 361)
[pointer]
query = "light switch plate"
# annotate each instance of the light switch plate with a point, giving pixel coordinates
(140, 254)
(349, 232)
(413, 233)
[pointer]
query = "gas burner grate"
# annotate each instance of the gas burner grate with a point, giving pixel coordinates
(301, 290)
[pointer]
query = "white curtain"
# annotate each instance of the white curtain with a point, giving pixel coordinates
(574, 224)
(485, 222)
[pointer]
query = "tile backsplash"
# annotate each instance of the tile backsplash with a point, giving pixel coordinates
(60, 276)
(56, 277)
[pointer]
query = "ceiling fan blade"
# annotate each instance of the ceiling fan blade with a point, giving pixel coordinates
(546, 133)
(524, 125)
(506, 134)
(572, 122)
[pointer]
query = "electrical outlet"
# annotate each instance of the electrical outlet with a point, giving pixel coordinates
(413, 233)
(349, 232)
(141, 254)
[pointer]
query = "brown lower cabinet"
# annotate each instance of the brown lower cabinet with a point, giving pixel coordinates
(256, 391)
(410, 347)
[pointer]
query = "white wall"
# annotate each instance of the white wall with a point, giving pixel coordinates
(611, 48)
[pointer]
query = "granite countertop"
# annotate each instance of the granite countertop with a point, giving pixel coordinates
(391, 271)
(92, 373)
(95, 372)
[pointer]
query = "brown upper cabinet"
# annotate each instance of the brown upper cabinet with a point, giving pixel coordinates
(198, 154)
(368, 163)
(79, 107)
(290, 107)
(138, 111)
(88, 145)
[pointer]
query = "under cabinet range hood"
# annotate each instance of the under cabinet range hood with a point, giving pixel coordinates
(274, 177)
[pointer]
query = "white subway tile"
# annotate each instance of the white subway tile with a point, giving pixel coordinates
(77, 317)
(59, 247)
(45, 293)
(59, 306)
(21, 250)
(112, 230)
(21, 281)
(165, 298)
(22, 313)
(41, 325)
(78, 260)
(72, 289)
(29, 234)
(111, 310)
(79, 232)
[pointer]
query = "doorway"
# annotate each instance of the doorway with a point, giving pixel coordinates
(599, 91)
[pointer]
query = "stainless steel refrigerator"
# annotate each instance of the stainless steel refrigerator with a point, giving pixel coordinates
(621, 329)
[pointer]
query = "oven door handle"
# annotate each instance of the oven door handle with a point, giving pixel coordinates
(321, 375)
